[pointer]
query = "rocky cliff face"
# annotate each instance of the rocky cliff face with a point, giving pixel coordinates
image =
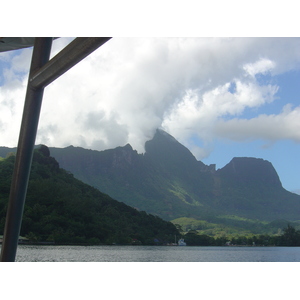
(166, 150)
(247, 170)
(168, 181)
(123, 157)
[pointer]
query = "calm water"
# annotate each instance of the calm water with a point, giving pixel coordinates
(30, 253)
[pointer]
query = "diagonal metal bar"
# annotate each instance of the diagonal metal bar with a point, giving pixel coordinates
(42, 72)
(31, 113)
(77, 50)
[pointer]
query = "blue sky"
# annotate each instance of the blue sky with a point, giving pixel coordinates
(283, 153)
(220, 97)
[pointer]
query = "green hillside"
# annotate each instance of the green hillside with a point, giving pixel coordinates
(246, 195)
(62, 209)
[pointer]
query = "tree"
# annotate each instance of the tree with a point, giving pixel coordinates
(192, 238)
(290, 237)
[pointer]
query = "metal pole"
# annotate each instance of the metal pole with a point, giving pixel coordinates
(31, 113)
(77, 50)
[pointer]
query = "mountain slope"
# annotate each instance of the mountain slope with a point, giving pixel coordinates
(62, 209)
(168, 181)
(251, 187)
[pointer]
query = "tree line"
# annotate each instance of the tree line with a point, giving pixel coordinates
(289, 237)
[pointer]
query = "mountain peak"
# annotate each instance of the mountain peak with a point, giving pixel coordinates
(251, 169)
(165, 146)
(166, 151)
(163, 141)
(160, 132)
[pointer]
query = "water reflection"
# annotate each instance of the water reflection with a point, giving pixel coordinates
(30, 253)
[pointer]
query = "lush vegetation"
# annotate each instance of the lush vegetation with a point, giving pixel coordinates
(62, 209)
(289, 237)
(245, 197)
(167, 180)
(233, 226)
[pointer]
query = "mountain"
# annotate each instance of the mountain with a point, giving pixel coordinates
(62, 209)
(168, 181)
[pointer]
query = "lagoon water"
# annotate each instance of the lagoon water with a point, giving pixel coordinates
(32, 253)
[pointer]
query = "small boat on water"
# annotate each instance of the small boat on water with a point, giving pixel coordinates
(181, 242)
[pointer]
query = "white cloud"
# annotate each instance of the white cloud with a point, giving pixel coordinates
(130, 86)
(198, 113)
(261, 66)
(285, 125)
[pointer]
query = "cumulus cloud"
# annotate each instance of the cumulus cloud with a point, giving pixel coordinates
(265, 127)
(191, 87)
(261, 66)
(199, 113)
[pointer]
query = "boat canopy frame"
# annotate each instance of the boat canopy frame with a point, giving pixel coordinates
(42, 72)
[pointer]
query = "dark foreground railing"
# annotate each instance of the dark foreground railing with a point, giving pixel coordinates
(42, 72)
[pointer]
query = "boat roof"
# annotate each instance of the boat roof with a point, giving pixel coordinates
(14, 43)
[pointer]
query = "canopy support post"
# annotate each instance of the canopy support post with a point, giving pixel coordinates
(42, 72)
(31, 113)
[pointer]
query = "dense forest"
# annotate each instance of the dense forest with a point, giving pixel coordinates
(289, 237)
(61, 209)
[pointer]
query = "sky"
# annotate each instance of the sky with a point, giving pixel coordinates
(220, 97)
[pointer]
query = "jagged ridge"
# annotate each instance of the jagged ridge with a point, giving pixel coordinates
(168, 181)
